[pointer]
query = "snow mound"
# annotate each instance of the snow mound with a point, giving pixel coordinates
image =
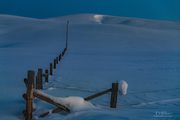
(123, 87)
(75, 103)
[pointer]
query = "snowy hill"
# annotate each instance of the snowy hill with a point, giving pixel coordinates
(106, 19)
(102, 49)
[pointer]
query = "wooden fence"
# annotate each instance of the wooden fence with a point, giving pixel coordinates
(31, 93)
(35, 80)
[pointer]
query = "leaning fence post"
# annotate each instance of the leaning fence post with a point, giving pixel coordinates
(46, 75)
(39, 82)
(29, 92)
(51, 69)
(114, 94)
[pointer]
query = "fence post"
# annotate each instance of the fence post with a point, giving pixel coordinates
(57, 60)
(51, 69)
(46, 75)
(114, 94)
(29, 92)
(54, 63)
(39, 82)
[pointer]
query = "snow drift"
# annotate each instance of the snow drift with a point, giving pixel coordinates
(75, 103)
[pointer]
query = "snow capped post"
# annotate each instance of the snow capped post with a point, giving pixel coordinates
(122, 86)
(29, 92)
(114, 93)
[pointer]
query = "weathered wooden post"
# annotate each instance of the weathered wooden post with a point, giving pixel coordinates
(54, 64)
(29, 93)
(114, 94)
(39, 82)
(51, 69)
(46, 75)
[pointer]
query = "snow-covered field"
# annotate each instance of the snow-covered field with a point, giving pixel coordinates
(102, 49)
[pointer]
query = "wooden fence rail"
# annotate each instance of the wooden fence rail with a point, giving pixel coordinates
(51, 101)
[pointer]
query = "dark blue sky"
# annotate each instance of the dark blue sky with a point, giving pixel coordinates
(153, 9)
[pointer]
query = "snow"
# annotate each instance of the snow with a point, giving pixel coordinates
(98, 18)
(143, 52)
(74, 103)
(123, 87)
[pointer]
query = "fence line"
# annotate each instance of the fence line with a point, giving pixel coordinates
(35, 80)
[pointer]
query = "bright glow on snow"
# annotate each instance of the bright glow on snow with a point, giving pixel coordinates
(98, 18)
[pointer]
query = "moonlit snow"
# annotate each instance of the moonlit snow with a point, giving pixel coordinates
(75, 103)
(98, 18)
(123, 87)
(102, 49)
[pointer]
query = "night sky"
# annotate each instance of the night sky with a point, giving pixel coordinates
(152, 9)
